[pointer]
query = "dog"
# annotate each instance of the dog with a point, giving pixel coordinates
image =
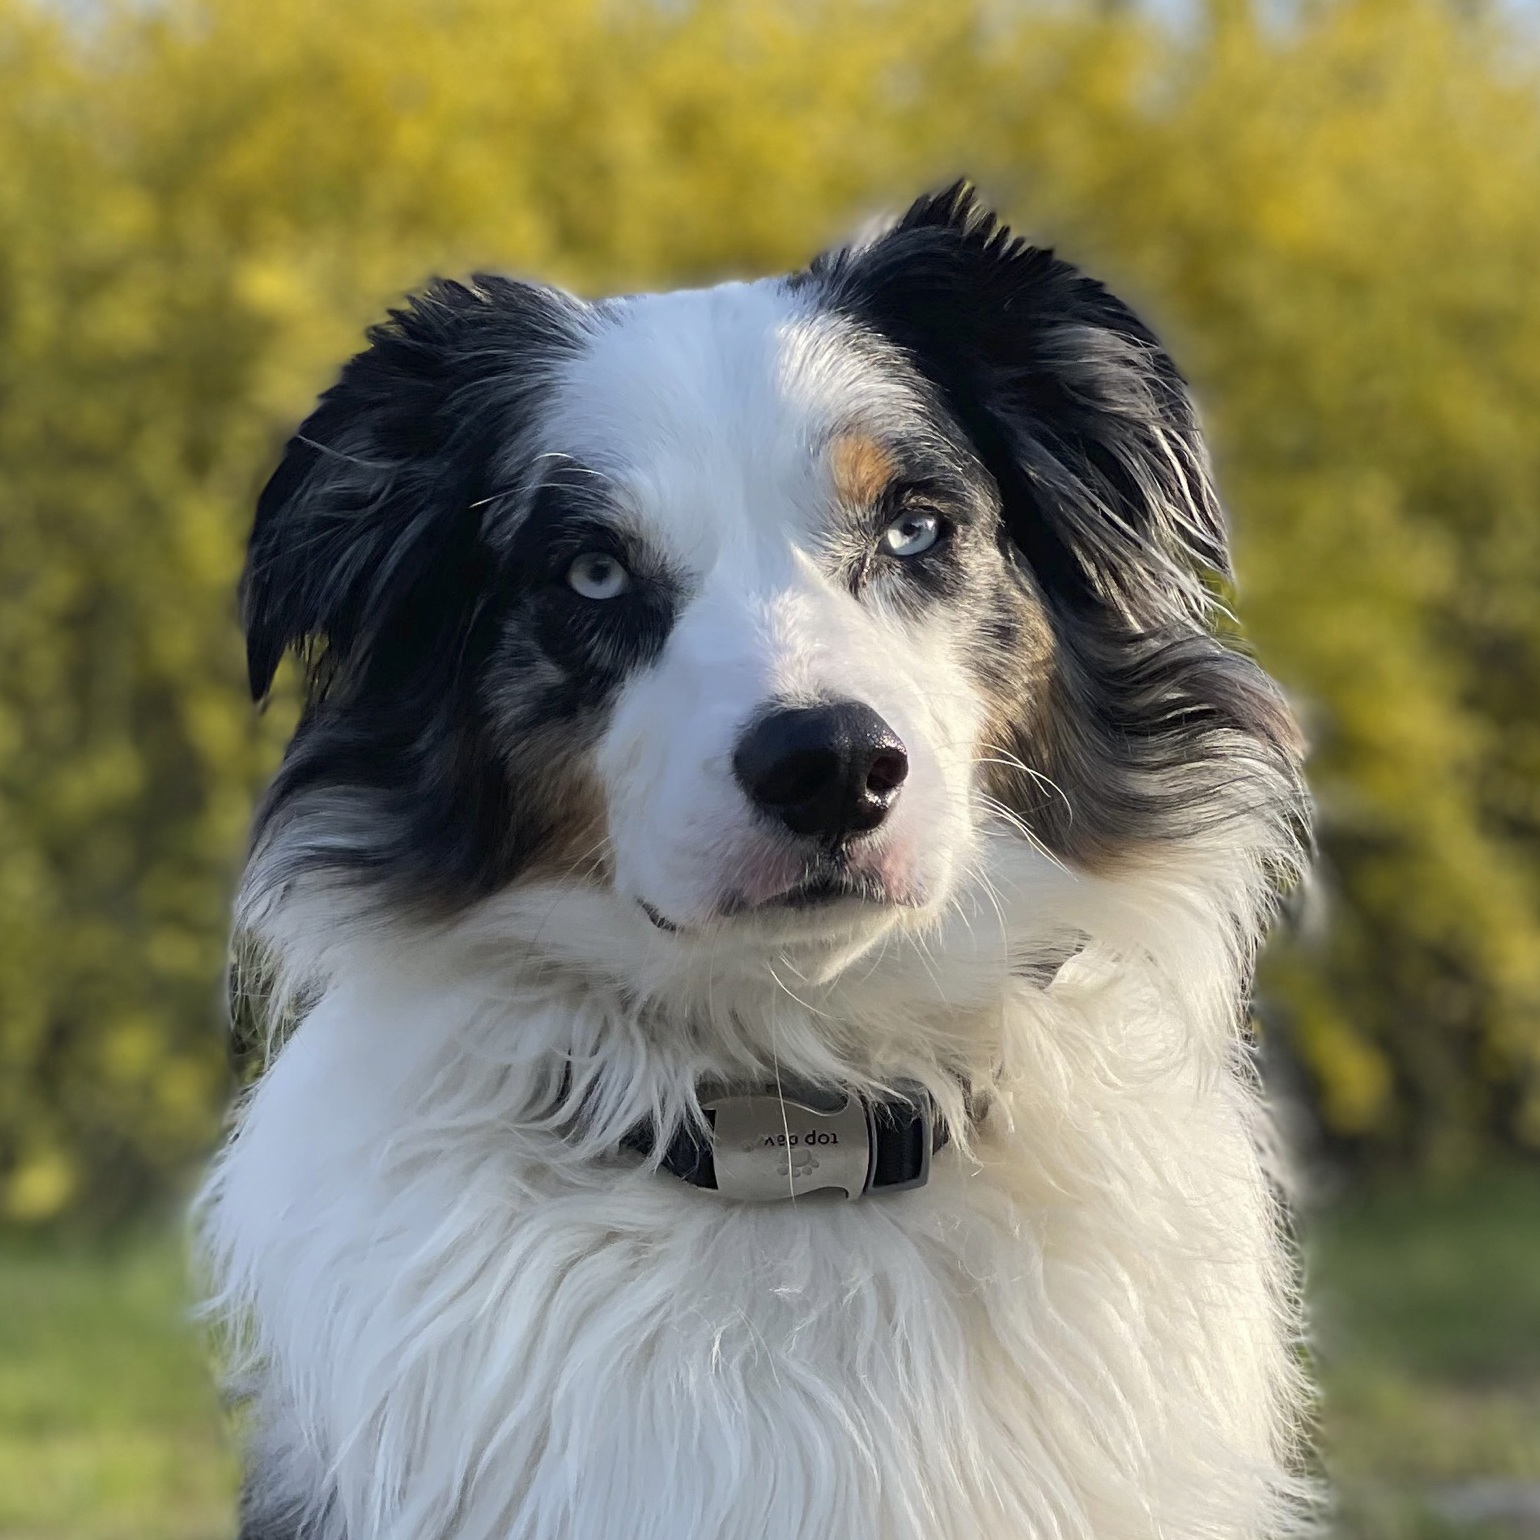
(753, 930)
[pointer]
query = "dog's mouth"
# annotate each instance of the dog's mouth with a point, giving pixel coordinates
(658, 918)
(816, 889)
(826, 888)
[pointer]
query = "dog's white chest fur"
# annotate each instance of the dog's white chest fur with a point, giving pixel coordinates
(1068, 1332)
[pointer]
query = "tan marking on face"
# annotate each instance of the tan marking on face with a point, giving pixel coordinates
(1016, 688)
(1016, 745)
(566, 790)
(861, 469)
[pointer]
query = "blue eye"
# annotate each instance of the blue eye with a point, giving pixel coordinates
(911, 534)
(594, 575)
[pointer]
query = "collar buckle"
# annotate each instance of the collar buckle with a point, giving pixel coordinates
(776, 1144)
(767, 1147)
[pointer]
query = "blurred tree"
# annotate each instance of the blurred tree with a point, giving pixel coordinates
(202, 202)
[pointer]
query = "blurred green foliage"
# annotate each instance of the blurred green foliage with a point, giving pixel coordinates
(1334, 216)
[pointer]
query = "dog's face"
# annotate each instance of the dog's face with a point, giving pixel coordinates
(778, 568)
(756, 609)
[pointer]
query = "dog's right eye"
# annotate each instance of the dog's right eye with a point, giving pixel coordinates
(597, 575)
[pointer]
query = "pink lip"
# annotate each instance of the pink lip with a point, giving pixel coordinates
(876, 876)
(774, 879)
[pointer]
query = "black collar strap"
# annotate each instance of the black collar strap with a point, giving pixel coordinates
(768, 1143)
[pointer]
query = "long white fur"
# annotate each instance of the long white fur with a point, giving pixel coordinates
(465, 1316)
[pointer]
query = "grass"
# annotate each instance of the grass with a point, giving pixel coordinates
(1427, 1326)
(1428, 1339)
(109, 1425)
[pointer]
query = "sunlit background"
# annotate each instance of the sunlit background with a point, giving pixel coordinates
(1332, 213)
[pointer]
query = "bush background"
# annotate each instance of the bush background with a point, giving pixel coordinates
(1332, 211)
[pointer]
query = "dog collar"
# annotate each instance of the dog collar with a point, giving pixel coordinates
(765, 1144)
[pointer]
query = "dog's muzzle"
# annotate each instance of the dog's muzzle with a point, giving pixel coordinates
(769, 1144)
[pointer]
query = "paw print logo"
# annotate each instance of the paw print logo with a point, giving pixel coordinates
(797, 1162)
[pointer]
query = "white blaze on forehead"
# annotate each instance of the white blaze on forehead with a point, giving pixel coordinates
(711, 409)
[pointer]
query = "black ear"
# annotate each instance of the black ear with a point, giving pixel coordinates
(1066, 395)
(371, 517)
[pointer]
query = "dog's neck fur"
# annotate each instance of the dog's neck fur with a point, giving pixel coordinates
(465, 1318)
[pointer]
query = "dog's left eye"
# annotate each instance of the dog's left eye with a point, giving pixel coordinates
(595, 575)
(911, 534)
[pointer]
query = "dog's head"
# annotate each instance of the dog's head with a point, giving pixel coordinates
(756, 610)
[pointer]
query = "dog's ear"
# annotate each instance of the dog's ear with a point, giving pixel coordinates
(1068, 398)
(371, 519)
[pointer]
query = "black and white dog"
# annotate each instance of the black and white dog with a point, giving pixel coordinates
(763, 743)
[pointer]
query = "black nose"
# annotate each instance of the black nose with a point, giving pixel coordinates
(830, 771)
